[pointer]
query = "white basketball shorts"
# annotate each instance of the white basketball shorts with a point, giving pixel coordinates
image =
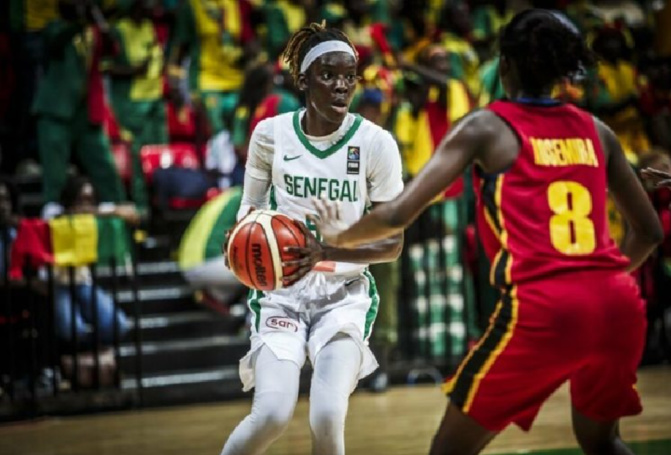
(297, 322)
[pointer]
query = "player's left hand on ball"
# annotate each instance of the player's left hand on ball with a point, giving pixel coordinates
(328, 222)
(303, 258)
(659, 178)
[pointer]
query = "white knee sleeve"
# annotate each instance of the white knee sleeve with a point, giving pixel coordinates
(333, 380)
(273, 406)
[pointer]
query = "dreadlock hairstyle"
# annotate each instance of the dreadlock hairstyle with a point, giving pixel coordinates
(544, 47)
(305, 39)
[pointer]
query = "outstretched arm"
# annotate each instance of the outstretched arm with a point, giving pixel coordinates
(305, 259)
(457, 150)
(381, 250)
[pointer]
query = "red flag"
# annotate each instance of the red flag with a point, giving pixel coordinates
(33, 243)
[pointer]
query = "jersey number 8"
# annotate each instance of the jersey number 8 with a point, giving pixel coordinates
(571, 230)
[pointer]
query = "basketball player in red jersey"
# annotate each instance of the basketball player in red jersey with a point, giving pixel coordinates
(569, 310)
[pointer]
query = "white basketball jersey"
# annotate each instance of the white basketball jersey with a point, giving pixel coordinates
(301, 172)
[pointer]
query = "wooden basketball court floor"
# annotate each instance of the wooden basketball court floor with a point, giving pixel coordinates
(398, 422)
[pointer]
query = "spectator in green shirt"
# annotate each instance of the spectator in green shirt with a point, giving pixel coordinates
(282, 19)
(69, 105)
(137, 89)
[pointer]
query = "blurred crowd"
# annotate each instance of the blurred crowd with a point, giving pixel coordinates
(85, 75)
(89, 86)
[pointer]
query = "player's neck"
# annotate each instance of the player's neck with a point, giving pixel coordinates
(316, 125)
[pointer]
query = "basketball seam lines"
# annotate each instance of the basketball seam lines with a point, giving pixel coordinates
(265, 237)
(248, 262)
(289, 229)
(292, 234)
(267, 225)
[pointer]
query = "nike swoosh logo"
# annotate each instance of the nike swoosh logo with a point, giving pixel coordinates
(291, 158)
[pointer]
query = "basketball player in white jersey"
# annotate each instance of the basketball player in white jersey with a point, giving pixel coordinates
(327, 308)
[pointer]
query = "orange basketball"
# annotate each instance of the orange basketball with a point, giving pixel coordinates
(256, 248)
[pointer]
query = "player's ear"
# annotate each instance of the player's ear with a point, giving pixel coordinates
(302, 82)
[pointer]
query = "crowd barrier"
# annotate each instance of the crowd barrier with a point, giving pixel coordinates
(42, 371)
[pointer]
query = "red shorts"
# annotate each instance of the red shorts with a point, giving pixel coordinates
(585, 327)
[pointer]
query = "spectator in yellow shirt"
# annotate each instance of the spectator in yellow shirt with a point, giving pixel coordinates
(218, 37)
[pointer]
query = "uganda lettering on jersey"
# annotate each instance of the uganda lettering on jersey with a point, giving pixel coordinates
(334, 189)
(564, 152)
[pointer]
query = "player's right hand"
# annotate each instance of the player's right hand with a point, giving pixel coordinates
(224, 247)
(303, 259)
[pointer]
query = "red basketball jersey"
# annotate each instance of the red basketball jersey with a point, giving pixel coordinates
(546, 214)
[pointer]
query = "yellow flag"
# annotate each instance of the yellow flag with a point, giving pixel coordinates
(459, 103)
(74, 240)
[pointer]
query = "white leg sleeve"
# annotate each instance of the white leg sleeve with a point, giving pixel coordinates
(334, 378)
(273, 406)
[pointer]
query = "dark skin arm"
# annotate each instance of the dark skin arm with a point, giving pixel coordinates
(645, 231)
(305, 259)
(481, 137)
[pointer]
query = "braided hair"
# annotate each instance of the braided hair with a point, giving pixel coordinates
(305, 39)
(544, 47)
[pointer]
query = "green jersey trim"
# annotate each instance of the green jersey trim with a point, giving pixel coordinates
(332, 149)
(255, 305)
(374, 304)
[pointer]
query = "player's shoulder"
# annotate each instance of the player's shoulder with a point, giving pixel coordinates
(372, 131)
(366, 125)
(269, 123)
(584, 114)
(483, 123)
(265, 130)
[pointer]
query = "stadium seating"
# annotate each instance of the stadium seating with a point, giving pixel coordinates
(179, 155)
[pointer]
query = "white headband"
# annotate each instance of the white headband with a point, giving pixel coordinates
(323, 48)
